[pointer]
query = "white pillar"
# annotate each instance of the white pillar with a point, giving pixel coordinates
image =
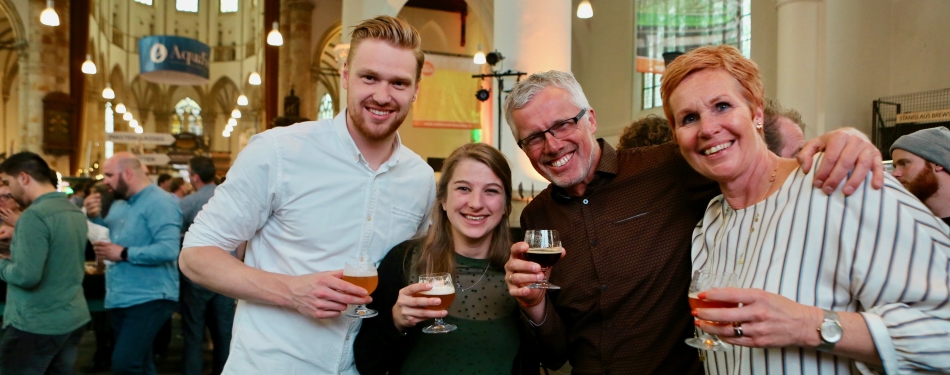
(533, 36)
(802, 61)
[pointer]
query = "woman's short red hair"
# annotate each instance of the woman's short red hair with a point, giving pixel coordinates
(724, 57)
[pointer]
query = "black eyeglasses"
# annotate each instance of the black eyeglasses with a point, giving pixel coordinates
(558, 130)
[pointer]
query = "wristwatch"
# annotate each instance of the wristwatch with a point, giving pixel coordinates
(125, 254)
(829, 331)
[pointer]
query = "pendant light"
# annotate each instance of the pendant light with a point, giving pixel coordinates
(139, 130)
(242, 100)
(254, 79)
(120, 108)
(226, 134)
(134, 123)
(584, 10)
(89, 67)
(49, 16)
(127, 116)
(232, 122)
(274, 38)
(479, 56)
(108, 93)
(236, 113)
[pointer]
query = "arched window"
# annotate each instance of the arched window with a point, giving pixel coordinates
(326, 107)
(110, 127)
(190, 6)
(229, 6)
(187, 118)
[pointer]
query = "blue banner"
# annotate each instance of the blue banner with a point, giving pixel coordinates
(174, 60)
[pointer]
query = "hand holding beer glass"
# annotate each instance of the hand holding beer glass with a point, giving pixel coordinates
(362, 274)
(704, 280)
(444, 290)
(544, 248)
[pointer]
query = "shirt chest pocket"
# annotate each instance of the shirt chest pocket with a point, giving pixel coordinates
(403, 225)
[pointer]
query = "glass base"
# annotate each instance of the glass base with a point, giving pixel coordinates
(708, 343)
(440, 328)
(542, 285)
(361, 313)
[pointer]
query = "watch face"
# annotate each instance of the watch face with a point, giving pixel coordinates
(831, 331)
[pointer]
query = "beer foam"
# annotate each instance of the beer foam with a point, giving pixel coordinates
(363, 272)
(440, 290)
(545, 250)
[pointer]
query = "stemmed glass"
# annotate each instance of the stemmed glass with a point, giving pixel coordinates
(443, 289)
(704, 280)
(544, 248)
(362, 274)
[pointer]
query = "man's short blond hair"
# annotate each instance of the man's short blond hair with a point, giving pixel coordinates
(395, 31)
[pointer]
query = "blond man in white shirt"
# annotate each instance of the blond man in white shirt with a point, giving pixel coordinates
(308, 198)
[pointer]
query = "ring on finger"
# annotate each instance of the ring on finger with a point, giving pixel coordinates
(737, 328)
(509, 278)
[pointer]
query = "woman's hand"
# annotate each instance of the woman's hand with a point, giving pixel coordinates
(9, 216)
(767, 320)
(409, 311)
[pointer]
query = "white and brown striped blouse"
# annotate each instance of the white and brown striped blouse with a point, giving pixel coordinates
(878, 252)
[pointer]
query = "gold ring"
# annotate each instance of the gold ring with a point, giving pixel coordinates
(737, 327)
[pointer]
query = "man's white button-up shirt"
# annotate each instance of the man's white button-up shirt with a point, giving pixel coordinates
(307, 201)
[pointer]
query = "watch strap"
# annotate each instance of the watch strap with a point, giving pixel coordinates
(830, 317)
(125, 254)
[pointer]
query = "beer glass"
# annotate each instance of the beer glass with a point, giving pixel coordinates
(704, 280)
(544, 248)
(362, 274)
(443, 289)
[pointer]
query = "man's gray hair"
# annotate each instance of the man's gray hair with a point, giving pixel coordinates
(525, 90)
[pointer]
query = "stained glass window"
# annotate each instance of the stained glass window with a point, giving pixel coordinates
(326, 107)
(187, 118)
(681, 26)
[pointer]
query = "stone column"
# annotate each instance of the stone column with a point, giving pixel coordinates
(299, 39)
(533, 36)
(44, 71)
(802, 61)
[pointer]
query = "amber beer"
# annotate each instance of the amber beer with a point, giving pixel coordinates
(546, 257)
(368, 282)
(696, 303)
(445, 293)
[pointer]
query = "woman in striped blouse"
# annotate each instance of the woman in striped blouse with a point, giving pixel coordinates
(828, 283)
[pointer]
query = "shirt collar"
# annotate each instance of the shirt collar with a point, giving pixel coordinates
(607, 167)
(50, 195)
(142, 192)
(339, 122)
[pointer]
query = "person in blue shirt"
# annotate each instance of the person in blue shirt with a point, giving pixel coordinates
(197, 302)
(142, 282)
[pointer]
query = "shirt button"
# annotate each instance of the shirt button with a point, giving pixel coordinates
(585, 201)
(593, 242)
(347, 337)
(603, 287)
(368, 218)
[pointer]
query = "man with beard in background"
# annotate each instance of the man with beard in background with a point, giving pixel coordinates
(922, 165)
(142, 282)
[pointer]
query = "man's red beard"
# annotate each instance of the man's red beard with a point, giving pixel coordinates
(925, 184)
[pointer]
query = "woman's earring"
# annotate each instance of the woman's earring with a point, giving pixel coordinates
(758, 125)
